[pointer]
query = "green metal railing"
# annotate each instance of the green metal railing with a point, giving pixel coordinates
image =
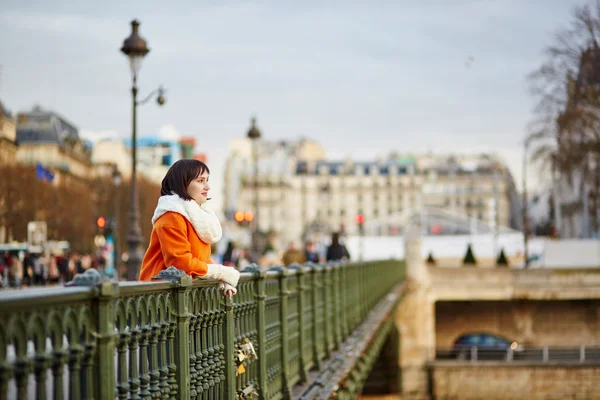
(181, 339)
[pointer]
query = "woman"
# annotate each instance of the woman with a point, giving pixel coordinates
(184, 228)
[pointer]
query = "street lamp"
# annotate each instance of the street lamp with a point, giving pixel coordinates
(254, 135)
(116, 176)
(525, 200)
(135, 48)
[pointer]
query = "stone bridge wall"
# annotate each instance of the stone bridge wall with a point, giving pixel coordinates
(454, 381)
(475, 283)
(555, 323)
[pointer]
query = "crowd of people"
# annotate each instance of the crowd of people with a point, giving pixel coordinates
(22, 269)
(184, 233)
(240, 258)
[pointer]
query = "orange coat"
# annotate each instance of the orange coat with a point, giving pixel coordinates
(175, 242)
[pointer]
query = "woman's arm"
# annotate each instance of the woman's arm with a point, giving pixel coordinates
(176, 250)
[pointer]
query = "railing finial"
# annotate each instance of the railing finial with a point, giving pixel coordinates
(172, 274)
(89, 278)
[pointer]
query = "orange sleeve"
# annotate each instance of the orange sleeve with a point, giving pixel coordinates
(176, 250)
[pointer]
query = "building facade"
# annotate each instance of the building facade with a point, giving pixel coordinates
(275, 161)
(8, 136)
(48, 138)
(319, 197)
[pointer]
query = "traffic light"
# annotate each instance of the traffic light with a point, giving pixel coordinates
(244, 218)
(239, 217)
(106, 225)
(101, 222)
(360, 220)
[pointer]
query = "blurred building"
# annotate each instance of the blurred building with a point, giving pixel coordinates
(276, 163)
(187, 144)
(107, 153)
(188, 148)
(8, 136)
(200, 157)
(316, 197)
(45, 137)
(155, 155)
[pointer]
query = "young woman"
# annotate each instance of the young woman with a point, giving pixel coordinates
(184, 228)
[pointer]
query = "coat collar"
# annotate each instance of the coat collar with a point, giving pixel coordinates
(203, 219)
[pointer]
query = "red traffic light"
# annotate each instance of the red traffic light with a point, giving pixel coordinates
(101, 222)
(249, 216)
(239, 216)
(360, 219)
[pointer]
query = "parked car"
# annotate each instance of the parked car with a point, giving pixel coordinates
(483, 346)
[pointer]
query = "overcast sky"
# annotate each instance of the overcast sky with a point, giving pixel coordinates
(361, 77)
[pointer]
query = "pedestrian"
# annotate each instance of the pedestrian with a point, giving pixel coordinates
(293, 255)
(184, 228)
(311, 252)
(337, 251)
(231, 255)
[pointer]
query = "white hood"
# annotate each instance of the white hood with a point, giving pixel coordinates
(203, 219)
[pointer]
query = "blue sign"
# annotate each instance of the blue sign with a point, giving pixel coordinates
(43, 174)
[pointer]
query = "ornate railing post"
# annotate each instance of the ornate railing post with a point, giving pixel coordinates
(327, 309)
(343, 278)
(302, 288)
(105, 362)
(228, 340)
(337, 309)
(316, 280)
(283, 298)
(181, 282)
(261, 325)
(105, 386)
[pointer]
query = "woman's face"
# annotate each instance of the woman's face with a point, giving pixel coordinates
(199, 187)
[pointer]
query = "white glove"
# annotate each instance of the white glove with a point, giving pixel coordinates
(227, 289)
(219, 272)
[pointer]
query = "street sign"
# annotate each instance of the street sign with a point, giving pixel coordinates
(37, 236)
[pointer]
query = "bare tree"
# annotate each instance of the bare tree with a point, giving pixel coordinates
(565, 134)
(70, 205)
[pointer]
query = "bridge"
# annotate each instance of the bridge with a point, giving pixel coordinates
(334, 331)
(304, 332)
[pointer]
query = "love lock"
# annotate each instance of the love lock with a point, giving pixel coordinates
(249, 392)
(248, 348)
(244, 352)
(240, 356)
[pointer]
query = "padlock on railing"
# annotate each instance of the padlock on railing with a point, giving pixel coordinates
(248, 348)
(244, 352)
(249, 392)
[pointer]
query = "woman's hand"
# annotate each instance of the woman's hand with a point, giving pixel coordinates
(220, 273)
(228, 290)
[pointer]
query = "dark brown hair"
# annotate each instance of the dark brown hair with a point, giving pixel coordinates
(180, 175)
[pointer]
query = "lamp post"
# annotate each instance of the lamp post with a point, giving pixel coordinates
(254, 135)
(116, 176)
(525, 216)
(135, 48)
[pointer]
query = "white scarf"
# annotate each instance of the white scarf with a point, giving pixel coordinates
(203, 219)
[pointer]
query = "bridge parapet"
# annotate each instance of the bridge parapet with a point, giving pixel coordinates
(181, 338)
(471, 283)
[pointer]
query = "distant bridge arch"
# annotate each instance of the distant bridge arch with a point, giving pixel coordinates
(431, 220)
